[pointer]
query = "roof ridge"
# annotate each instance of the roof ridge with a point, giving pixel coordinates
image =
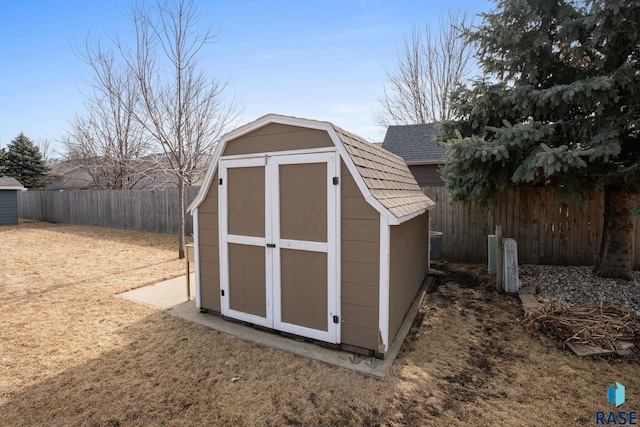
(373, 146)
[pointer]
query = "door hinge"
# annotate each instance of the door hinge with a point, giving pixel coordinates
(271, 245)
(220, 183)
(336, 319)
(222, 292)
(336, 180)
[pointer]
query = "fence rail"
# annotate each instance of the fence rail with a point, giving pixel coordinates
(546, 232)
(143, 210)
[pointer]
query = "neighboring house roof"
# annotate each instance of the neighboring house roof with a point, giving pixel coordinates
(10, 183)
(383, 178)
(149, 172)
(416, 144)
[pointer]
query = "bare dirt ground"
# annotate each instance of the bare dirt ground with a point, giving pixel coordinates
(74, 353)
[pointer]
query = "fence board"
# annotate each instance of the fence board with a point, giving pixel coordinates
(546, 232)
(143, 210)
(635, 248)
(514, 217)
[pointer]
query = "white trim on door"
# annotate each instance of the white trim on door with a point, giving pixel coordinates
(332, 334)
(334, 242)
(264, 154)
(225, 238)
(304, 245)
(247, 240)
(271, 163)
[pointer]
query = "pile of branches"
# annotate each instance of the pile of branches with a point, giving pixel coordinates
(597, 325)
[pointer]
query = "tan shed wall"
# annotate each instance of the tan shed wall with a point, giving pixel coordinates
(360, 266)
(208, 249)
(277, 137)
(409, 263)
(360, 236)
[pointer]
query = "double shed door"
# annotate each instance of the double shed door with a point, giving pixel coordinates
(278, 243)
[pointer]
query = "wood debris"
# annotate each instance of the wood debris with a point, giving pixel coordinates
(600, 326)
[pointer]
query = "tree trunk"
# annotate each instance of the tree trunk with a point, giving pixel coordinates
(181, 218)
(614, 260)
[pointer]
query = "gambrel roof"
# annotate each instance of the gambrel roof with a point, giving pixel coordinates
(383, 177)
(386, 176)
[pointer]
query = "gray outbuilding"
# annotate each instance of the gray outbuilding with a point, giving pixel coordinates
(304, 228)
(417, 145)
(9, 188)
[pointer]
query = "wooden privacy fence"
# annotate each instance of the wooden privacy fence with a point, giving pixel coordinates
(143, 210)
(546, 232)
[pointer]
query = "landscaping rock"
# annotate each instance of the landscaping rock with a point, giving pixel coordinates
(574, 285)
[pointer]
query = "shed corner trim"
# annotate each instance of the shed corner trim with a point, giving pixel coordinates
(383, 297)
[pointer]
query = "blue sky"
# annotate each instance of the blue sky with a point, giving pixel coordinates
(316, 59)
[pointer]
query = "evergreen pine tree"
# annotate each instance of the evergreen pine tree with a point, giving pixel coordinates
(24, 162)
(559, 106)
(3, 161)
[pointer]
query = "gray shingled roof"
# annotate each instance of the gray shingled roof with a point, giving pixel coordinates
(386, 176)
(10, 183)
(415, 143)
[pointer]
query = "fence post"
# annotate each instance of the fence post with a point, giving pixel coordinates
(499, 256)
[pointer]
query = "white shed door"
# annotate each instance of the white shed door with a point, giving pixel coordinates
(278, 242)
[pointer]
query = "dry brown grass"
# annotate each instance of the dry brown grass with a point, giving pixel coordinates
(73, 353)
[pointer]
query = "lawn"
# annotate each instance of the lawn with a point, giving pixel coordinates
(74, 353)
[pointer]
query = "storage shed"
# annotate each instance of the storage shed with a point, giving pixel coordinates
(304, 228)
(9, 188)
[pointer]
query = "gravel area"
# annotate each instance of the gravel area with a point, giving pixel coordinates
(578, 285)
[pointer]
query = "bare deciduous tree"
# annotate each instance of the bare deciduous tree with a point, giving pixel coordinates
(47, 150)
(179, 106)
(429, 65)
(106, 139)
(182, 108)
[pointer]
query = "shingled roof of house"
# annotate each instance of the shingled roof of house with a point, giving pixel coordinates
(10, 183)
(415, 143)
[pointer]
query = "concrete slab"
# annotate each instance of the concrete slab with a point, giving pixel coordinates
(164, 294)
(171, 295)
(527, 290)
(587, 350)
(529, 302)
(364, 365)
(511, 280)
